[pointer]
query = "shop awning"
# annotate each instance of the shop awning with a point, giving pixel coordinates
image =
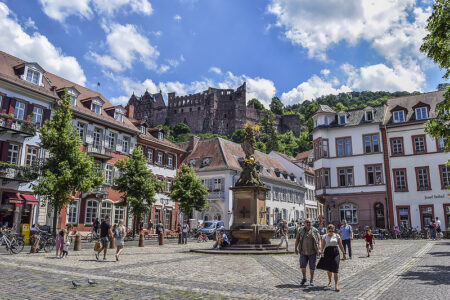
(12, 197)
(30, 199)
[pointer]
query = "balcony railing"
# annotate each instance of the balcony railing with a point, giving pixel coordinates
(10, 172)
(16, 126)
(99, 151)
(216, 195)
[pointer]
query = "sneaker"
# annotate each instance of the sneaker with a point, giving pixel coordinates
(311, 283)
(104, 258)
(303, 281)
(368, 255)
(96, 256)
(57, 256)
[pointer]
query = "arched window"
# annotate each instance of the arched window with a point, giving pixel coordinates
(348, 211)
(106, 210)
(91, 211)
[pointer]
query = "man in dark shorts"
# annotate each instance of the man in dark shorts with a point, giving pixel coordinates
(307, 244)
(105, 235)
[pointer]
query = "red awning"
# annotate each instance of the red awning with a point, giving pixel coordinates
(12, 197)
(29, 198)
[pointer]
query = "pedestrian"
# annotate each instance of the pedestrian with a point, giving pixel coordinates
(141, 227)
(438, 228)
(346, 233)
(433, 229)
(397, 232)
(368, 237)
(322, 229)
(119, 235)
(184, 234)
(95, 225)
(65, 251)
(60, 243)
(105, 235)
(330, 260)
(150, 226)
(283, 235)
(307, 244)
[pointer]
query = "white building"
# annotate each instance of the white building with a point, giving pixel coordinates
(349, 165)
(26, 99)
(218, 163)
(419, 176)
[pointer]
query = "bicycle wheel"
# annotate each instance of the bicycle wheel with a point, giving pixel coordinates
(16, 246)
(49, 245)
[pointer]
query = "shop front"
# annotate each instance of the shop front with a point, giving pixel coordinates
(17, 208)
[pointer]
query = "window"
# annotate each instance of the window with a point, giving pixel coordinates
(325, 148)
(447, 215)
(72, 212)
(374, 175)
(13, 154)
(170, 161)
(400, 180)
(399, 116)
(326, 120)
(369, 116)
(169, 185)
(80, 128)
(403, 216)
(344, 146)
(111, 140)
(371, 143)
(423, 178)
(73, 96)
(33, 76)
(161, 136)
(150, 155)
(441, 144)
(96, 108)
(31, 156)
(326, 177)
(118, 116)
(397, 146)
(91, 211)
(419, 144)
(426, 215)
(19, 110)
(445, 176)
(97, 138)
(168, 219)
(38, 112)
(345, 176)
(119, 213)
(106, 210)
(349, 212)
(160, 158)
(109, 174)
(125, 144)
(342, 119)
(421, 113)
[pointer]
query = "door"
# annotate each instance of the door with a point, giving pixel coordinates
(379, 215)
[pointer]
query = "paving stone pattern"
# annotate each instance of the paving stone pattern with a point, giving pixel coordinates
(172, 272)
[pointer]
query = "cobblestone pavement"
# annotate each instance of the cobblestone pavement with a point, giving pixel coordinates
(172, 272)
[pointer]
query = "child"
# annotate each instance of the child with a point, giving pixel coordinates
(60, 243)
(369, 242)
(65, 249)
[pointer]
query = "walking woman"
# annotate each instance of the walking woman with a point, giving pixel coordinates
(330, 260)
(119, 235)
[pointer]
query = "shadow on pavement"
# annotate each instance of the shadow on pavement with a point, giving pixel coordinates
(431, 275)
(288, 286)
(439, 253)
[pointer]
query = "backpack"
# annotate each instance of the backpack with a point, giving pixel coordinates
(118, 233)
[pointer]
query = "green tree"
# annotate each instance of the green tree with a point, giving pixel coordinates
(339, 106)
(276, 106)
(181, 128)
(256, 104)
(189, 191)
(269, 134)
(66, 169)
(238, 136)
(442, 86)
(136, 183)
(437, 47)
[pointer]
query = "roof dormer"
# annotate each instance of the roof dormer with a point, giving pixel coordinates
(96, 105)
(421, 111)
(369, 114)
(342, 117)
(324, 116)
(31, 72)
(398, 114)
(72, 92)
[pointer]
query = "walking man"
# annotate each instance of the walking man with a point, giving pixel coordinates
(346, 233)
(105, 235)
(184, 234)
(307, 244)
(438, 228)
(283, 235)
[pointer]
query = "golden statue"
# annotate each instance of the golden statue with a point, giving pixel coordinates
(249, 175)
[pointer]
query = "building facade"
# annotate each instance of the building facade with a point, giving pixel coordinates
(26, 100)
(349, 165)
(419, 177)
(218, 163)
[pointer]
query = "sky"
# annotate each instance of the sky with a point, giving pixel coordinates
(294, 49)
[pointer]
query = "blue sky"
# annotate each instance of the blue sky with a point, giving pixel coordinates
(293, 49)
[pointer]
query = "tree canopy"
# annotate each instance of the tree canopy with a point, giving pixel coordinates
(256, 104)
(276, 106)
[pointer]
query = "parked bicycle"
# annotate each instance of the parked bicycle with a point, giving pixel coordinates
(13, 243)
(47, 241)
(202, 238)
(92, 236)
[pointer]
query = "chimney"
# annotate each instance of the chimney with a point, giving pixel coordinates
(130, 111)
(193, 141)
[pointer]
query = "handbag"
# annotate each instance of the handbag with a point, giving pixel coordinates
(97, 246)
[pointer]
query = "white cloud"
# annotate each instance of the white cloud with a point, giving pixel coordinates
(379, 77)
(125, 45)
(177, 18)
(325, 72)
(36, 47)
(215, 70)
(61, 9)
(312, 88)
(29, 23)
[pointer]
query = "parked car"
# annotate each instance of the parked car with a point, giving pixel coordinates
(211, 227)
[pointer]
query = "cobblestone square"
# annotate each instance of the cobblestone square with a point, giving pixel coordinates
(400, 269)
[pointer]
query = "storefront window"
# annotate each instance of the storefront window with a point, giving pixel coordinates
(168, 219)
(72, 212)
(91, 211)
(447, 215)
(106, 210)
(427, 215)
(348, 212)
(403, 215)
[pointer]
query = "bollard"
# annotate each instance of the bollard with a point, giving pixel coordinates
(141, 240)
(34, 248)
(112, 243)
(77, 244)
(179, 238)
(161, 239)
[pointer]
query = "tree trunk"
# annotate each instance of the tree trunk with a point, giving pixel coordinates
(55, 219)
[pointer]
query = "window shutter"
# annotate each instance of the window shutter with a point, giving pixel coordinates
(29, 114)
(46, 115)
(12, 106)
(119, 145)
(5, 105)
(4, 151)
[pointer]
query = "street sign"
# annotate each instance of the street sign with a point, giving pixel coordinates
(229, 212)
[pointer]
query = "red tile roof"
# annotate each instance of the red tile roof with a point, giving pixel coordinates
(303, 155)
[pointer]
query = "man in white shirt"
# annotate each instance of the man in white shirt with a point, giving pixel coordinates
(438, 228)
(184, 233)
